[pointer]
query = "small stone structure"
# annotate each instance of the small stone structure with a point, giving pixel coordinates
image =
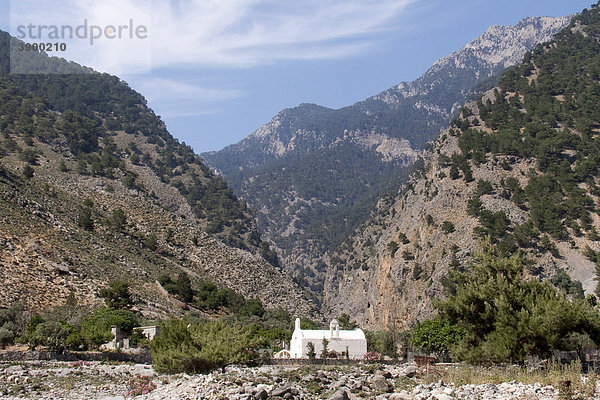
(350, 344)
(119, 342)
(149, 331)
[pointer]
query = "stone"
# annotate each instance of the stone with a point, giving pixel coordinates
(379, 383)
(339, 395)
(14, 369)
(403, 395)
(280, 392)
(410, 371)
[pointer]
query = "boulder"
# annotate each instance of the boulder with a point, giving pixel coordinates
(261, 394)
(410, 371)
(280, 392)
(403, 395)
(380, 383)
(339, 395)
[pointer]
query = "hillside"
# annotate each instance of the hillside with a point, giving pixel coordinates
(95, 189)
(518, 168)
(314, 174)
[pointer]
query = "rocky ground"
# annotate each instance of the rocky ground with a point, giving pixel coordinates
(96, 380)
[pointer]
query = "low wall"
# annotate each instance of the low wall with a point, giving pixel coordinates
(320, 361)
(142, 357)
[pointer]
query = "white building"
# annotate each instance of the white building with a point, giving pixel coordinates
(342, 342)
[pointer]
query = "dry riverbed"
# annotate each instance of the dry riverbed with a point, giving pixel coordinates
(98, 380)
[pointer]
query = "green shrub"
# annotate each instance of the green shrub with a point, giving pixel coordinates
(382, 342)
(6, 336)
(95, 329)
(393, 247)
(117, 296)
(151, 242)
(447, 227)
(85, 219)
(118, 219)
(484, 187)
(436, 335)
(200, 347)
(28, 171)
(505, 316)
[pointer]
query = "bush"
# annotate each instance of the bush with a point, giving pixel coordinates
(346, 323)
(29, 337)
(484, 187)
(51, 334)
(311, 351)
(393, 247)
(6, 337)
(119, 219)
(505, 316)
(563, 281)
(436, 335)
(28, 171)
(140, 385)
(201, 347)
(181, 287)
(447, 227)
(151, 242)
(382, 342)
(85, 219)
(117, 296)
(95, 330)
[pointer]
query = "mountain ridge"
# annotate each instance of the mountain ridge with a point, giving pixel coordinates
(374, 143)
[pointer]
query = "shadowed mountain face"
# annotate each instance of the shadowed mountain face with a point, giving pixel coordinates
(313, 173)
(94, 189)
(518, 168)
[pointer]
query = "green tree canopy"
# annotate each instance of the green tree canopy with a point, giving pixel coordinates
(117, 295)
(505, 316)
(200, 347)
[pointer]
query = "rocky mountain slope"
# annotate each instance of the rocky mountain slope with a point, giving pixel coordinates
(313, 173)
(94, 189)
(519, 168)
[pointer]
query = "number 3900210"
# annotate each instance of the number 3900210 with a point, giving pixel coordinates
(42, 46)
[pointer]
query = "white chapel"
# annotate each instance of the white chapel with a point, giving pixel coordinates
(341, 341)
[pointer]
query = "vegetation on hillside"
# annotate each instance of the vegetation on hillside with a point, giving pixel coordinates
(496, 314)
(79, 114)
(546, 109)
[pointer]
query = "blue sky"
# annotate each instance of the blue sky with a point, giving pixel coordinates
(216, 70)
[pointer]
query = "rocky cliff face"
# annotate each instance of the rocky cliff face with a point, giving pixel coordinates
(313, 173)
(492, 174)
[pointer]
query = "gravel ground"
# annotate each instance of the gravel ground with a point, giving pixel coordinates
(96, 380)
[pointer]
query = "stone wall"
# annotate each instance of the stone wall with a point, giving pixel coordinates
(141, 357)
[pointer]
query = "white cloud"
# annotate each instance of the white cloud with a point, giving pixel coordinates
(244, 33)
(217, 33)
(172, 98)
